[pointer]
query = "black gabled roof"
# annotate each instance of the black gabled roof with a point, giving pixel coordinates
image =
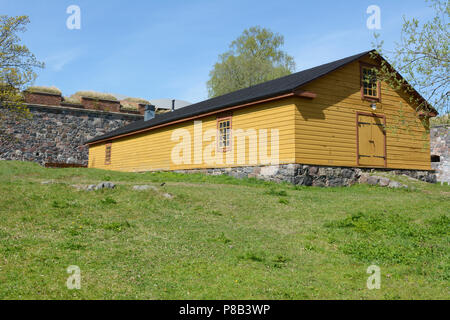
(260, 91)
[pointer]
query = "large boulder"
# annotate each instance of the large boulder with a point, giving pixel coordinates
(395, 185)
(373, 180)
(106, 185)
(383, 182)
(363, 178)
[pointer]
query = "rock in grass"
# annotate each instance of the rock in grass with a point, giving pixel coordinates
(384, 182)
(373, 180)
(102, 185)
(144, 187)
(364, 177)
(381, 181)
(168, 196)
(394, 184)
(108, 185)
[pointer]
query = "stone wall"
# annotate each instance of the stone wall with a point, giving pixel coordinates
(440, 146)
(56, 100)
(307, 175)
(56, 134)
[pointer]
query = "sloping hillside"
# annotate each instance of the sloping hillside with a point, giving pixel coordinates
(199, 237)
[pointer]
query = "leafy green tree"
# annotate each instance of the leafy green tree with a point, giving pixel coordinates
(422, 57)
(253, 58)
(17, 65)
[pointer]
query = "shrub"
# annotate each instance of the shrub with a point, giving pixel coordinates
(42, 89)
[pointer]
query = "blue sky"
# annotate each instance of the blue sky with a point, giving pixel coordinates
(165, 49)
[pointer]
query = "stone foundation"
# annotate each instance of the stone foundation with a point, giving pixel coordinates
(308, 175)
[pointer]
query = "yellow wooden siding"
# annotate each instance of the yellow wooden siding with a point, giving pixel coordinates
(321, 131)
(326, 126)
(152, 150)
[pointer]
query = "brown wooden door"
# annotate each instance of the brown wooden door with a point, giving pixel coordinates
(371, 141)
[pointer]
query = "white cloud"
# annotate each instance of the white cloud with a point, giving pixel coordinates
(59, 60)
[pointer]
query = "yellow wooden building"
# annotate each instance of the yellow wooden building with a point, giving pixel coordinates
(333, 115)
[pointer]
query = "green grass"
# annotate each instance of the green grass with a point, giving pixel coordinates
(95, 95)
(125, 105)
(72, 100)
(218, 238)
(137, 100)
(42, 89)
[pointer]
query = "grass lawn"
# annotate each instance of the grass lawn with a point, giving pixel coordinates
(217, 238)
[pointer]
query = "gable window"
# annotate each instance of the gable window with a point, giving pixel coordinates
(370, 86)
(224, 134)
(108, 153)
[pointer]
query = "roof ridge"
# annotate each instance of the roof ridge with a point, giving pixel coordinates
(290, 75)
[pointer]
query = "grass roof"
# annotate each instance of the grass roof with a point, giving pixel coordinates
(137, 100)
(43, 89)
(95, 95)
(72, 100)
(127, 105)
